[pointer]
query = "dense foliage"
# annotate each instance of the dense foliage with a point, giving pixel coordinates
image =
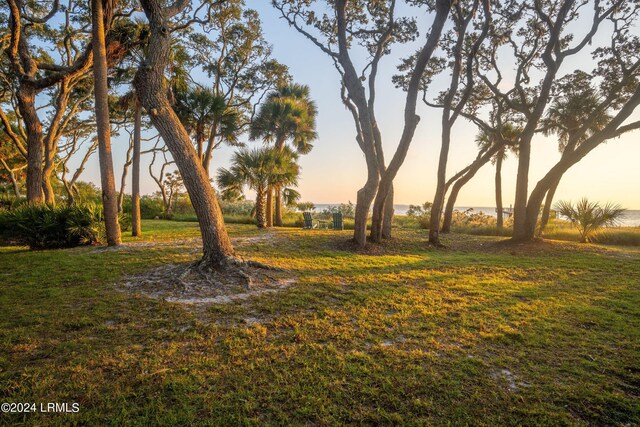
(50, 227)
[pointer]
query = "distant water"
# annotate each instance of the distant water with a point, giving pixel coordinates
(631, 217)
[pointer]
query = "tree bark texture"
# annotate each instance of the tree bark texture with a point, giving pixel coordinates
(136, 223)
(150, 86)
(109, 197)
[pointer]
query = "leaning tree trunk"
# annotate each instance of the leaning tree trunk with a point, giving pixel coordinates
(123, 178)
(498, 179)
(136, 229)
(457, 186)
(109, 197)
(546, 211)
(12, 177)
(150, 86)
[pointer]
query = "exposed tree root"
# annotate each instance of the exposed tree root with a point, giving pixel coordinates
(203, 281)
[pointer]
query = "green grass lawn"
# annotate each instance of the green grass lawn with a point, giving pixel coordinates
(481, 333)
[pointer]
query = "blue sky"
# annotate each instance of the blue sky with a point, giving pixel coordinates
(335, 169)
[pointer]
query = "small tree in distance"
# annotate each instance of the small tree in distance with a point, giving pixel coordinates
(588, 217)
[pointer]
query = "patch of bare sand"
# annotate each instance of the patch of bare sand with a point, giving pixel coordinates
(190, 286)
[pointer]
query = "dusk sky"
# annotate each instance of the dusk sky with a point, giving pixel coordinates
(335, 169)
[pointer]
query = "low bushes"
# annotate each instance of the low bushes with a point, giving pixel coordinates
(48, 227)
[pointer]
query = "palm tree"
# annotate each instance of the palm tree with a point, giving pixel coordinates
(205, 116)
(588, 217)
(288, 114)
(573, 118)
(258, 169)
(109, 198)
(507, 139)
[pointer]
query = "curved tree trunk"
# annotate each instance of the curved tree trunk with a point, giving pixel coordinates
(136, 223)
(546, 211)
(123, 177)
(150, 86)
(498, 180)
(12, 177)
(411, 119)
(457, 186)
(109, 198)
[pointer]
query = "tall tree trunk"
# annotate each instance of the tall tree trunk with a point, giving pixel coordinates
(136, 223)
(35, 147)
(411, 119)
(269, 209)
(498, 179)
(389, 210)
(546, 211)
(150, 86)
(438, 199)
(260, 209)
(278, 207)
(109, 197)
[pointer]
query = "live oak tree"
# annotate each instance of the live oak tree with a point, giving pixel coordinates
(471, 23)
(150, 83)
(574, 101)
(539, 39)
(375, 27)
(34, 73)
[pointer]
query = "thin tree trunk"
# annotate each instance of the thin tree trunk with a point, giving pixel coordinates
(278, 207)
(260, 214)
(411, 119)
(498, 180)
(12, 177)
(150, 86)
(123, 179)
(269, 209)
(457, 186)
(136, 223)
(109, 198)
(438, 199)
(546, 211)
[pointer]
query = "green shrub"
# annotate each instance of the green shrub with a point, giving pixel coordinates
(124, 219)
(48, 227)
(151, 207)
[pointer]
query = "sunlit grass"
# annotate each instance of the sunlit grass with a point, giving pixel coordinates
(479, 333)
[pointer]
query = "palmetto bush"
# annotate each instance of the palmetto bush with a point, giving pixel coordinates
(589, 217)
(48, 227)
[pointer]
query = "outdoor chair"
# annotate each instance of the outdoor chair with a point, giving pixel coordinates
(309, 222)
(338, 224)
